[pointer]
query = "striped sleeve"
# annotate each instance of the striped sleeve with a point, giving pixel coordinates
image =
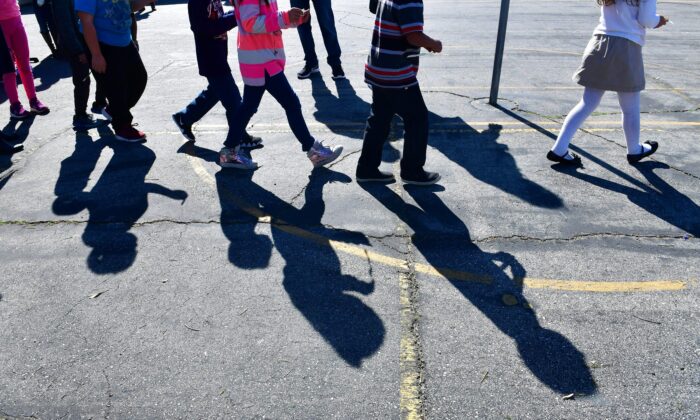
(409, 15)
(254, 21)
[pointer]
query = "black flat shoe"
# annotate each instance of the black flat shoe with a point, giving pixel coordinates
(374, 176)
(637, 157)
(576, 161)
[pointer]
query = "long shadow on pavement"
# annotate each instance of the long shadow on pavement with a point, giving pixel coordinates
(313, 276)
(479, 153)
(116, 202)
(551, 357)
(660, 199)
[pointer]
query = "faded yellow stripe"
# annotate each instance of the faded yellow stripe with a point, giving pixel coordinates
(566, 285)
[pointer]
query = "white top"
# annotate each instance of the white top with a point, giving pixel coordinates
(626, 21)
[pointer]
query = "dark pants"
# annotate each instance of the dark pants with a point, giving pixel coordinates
(282, 91)
(221, 89)
(124, 81)
(81, 87)
(409, 105)
(326, 21)
(7, 64)
(44, 17)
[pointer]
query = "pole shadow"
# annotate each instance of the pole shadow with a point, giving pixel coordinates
(551, 357)
(313, 276)
(115, 203)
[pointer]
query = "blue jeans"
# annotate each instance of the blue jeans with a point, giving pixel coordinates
(221, 89)
(326, 21)
(282, 91)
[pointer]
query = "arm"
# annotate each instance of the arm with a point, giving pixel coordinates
(255, 22)
(410, 19)
(419, 39)
(90, 33)
(64, 19)
(200, 23)
(137, 5)
(647, 15)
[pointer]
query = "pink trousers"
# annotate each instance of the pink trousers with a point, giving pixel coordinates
(16, 38)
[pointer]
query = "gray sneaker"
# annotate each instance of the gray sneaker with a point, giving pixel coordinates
(321, 155)
(233, 158)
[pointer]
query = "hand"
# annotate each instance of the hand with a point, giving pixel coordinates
(295, 15)
(436, 47)
(99, 64)
(307, 16)
(663, 21)
(82, 58)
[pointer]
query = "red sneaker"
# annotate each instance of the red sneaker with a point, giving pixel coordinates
(129, 134)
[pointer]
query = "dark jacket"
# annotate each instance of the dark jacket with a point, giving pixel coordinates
(210, 25)
(70, 40)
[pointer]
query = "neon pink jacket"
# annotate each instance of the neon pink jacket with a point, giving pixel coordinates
(260, 46)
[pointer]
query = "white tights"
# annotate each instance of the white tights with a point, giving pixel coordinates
(629, 104)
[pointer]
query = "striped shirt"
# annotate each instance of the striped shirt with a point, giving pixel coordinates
(393, 62)
(260, 46)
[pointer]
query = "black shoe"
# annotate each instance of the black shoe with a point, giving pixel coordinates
(636, 158)
(86, 122)
(424, 178)
(307, 71)
(97, 108)
(338, 73)
(8, 149)
(576, 161)
(185, 129)
(251, 142)
(373, 175)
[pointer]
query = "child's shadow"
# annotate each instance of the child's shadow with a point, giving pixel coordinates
(313, 277)
(552, 358)
(659, 199)
(50, 71)
(477, 152)
(115, 203)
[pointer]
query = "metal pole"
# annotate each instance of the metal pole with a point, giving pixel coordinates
(500, 46)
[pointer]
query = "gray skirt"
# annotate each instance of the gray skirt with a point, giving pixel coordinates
(612, 63)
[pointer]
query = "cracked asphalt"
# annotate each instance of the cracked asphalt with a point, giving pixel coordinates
(141, 281)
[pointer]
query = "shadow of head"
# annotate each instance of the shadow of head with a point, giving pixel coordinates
(113, 249)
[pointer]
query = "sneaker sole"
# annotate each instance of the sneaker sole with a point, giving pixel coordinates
(335, 156)
(20, 117)
(422, 183)
(382, 180)
(126, 140)
(181, 130)
(238, 166)
(338, 77)
(42, 113)
(309, 75)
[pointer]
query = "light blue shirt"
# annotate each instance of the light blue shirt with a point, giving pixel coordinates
(112, 20)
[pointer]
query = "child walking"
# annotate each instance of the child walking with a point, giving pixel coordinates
(391, 71)
(210, 25)
(613, 62)
(16, 39)
(261, 58)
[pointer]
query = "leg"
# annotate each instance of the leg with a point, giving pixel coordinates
(326, 20)
(201, 105)
(16, 38)
(414, 113)
(629, 104)
(137, 75)
(590, 101)
(81, 85)
(252, 95)
(306, 36)
(377, 130)
(231, 100)
(282, 91)
(7, 68)
(115, 81)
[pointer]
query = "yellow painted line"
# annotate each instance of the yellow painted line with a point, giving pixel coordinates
(447, 273)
